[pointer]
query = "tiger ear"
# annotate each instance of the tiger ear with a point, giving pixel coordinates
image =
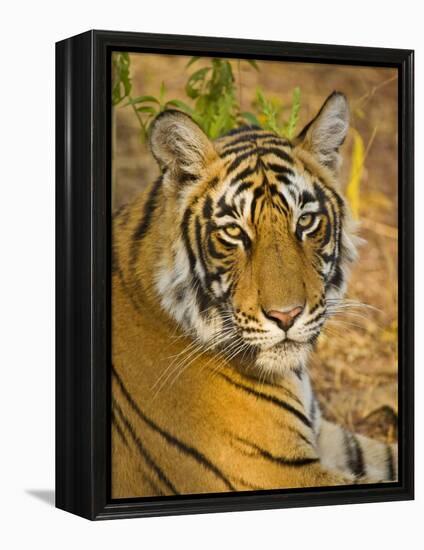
(327, 131)
(179, 144)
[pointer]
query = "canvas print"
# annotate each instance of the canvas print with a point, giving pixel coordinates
(254, 275)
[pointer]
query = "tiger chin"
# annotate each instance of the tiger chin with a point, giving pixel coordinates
(224, 272)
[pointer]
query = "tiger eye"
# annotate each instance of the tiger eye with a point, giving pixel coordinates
(232, 230)
(306, 220)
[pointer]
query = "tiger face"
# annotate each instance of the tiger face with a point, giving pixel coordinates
(260, 240)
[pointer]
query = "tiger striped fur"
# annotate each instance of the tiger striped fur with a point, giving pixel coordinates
(224, 272)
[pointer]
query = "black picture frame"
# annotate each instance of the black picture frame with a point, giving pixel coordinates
(83, 283)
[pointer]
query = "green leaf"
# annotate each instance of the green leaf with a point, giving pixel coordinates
(180, 105)
(294, 114)
(199, 74)
(251, 118)
(223, 121)
(143, 99)
(260, 98)
(253, 63)
(121, 83)
(269, 111)
(192, 60)
(195, 82)
(147, 109)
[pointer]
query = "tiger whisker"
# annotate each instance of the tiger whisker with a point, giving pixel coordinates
(186, 366)
(193, 355)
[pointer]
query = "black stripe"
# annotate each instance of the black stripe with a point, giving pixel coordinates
(337, 278)
(359, 464)
(238, 160)
(119, 211)
(277, 141)
(237, 149)
(148, 211)
(277, 387)
(312, 234)
(119, 430)
(126, 289)
(269, 398)
(279, 168)
(327, 235)
(225, 209)
(355, 457)
(115, 268)
(257, 194)
(246, 172)
(254, 136)
(241, 206)
(142, 227)
(277, 152)
(334, 205)
(243, 239)
(297, 371)
(282, 173)
(276, 193)
(201, 296)
(186, 238)
(327, 258)
(249, 484)
(213, 182)
(171, 439)
(122, 215)
(314, 318)
(321, 196)
(241, 130)
(291, 192)
(390, 464)
(247, 243)
(313, 410)
(284, 461)
(316, 306)
(200, 245)
(213, 251)
(242, 187)
(282, 178)
(304, 438)
(157, 490)
(149, 460)
(306, 197)
(186, 177)
(207, 208)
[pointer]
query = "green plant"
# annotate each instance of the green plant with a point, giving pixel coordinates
(147, 107)
(213, 91)
(121, 81)
(215, 104)
(271, 114)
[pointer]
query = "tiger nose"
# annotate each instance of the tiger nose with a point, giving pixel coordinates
(285, 319)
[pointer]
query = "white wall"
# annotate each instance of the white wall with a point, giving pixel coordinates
(29, 30)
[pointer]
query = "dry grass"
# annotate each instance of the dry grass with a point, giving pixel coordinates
(354, 368)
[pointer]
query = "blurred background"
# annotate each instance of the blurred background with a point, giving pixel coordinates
(354, 368)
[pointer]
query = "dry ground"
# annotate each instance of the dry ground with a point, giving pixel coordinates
(355, 365)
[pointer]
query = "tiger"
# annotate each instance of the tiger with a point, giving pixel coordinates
(224, 271)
